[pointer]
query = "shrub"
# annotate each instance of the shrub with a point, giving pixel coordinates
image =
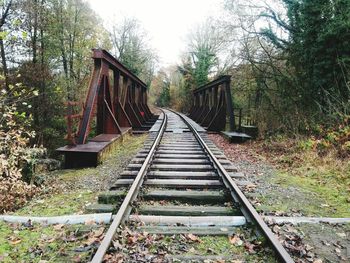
(15, 134)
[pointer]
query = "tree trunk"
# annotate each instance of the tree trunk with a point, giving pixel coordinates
(35, 32)
(4, 64)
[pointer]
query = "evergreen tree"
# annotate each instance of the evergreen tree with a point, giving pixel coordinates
(318, 47)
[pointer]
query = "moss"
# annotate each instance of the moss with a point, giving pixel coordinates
(218, 245)
(312, 184)
(21, 244)
(75, 174)
(328, 199)
(59, 204)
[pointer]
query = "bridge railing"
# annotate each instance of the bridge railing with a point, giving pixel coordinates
(116, 97)
(212, 102)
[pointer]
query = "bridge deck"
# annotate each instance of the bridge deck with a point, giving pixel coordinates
(91, 153)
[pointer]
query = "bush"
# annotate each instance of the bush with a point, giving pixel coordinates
(15, 134)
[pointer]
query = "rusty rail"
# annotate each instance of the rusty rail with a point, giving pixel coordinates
(124, 209)
(246, 207)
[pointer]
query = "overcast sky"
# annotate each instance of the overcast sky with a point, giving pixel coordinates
(166, 21)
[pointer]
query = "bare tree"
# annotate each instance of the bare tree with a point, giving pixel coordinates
(5, 12)
(130, 46)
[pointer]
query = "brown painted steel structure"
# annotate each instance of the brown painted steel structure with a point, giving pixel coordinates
(116, 97)
(211, 103)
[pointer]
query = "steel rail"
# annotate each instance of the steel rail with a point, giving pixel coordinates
(247, 209)
(124, 209)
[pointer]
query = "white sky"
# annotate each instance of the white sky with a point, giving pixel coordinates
(166, 21)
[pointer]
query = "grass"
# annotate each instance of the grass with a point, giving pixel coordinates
(69, 192)
(69, 175)
(79, 187)
(331, 202)
(36, 243)
(322, 179)
(59, 204)
(218, 245)
(207, 246)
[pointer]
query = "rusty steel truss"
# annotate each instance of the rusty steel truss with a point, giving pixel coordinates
(212, 102)
(116, 97)
(116, 102)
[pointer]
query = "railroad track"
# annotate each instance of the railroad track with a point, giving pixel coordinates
(179, 183)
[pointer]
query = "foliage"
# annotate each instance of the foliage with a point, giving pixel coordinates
(160, 89)
(314, 166)
(130, 47)
(294, 62)
(15, 134)
(70, 191)
(317, 46)
(204, 45)
(330, 139)
(49, 43)
(200, 62)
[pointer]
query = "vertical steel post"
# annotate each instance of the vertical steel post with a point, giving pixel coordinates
(229, 106)
(240, 120)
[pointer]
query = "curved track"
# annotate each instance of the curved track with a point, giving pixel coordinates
(177, 157)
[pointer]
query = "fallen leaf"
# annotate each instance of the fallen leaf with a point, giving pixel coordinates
(341, 234)
(326, 243)
(15, 241)
(90, 222)
(250, 247)
(276, 229)
(236, 240)
(192, 250)
(250, 187)
(116, 258)
(91, 240)
(99, 232)
(132, 240)
(317, 261)
(117, 245)
(50, 240)
(77, 258)
(308, 247)
(58, 226)
(193, 237)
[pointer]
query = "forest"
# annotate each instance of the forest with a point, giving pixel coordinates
(289, 62)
